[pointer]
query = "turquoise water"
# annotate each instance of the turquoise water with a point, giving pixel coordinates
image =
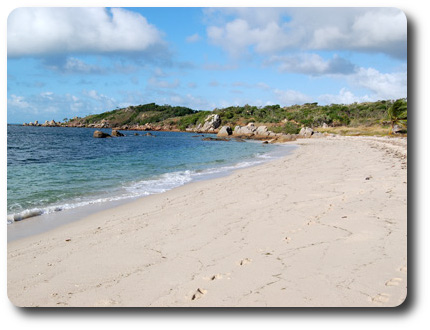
(50, 169)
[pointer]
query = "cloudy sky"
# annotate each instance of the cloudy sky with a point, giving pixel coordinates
(66, 62)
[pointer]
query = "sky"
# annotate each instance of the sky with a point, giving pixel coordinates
(67, 62)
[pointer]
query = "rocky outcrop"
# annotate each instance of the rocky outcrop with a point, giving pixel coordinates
(225, 131)
(116, 133)
(306, 132)
(245, 131)
(215, 139)
(262, 131)
(254, 132)
(285, 138)
(100, 134)
(212, 122)
(51, 123)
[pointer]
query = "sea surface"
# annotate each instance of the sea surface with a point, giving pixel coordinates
(50, 169)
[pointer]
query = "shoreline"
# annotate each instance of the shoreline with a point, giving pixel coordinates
(324, 226)
(41, 223)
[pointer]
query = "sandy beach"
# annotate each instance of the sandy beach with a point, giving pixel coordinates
(324, 226)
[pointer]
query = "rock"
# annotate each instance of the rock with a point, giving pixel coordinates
(281, 138)
(211, 122)
(398, 129)
(136, 134)
(261, 130)
(149, 134)
(100, 134)
(225, 131)
(285, 138)
(318, 135)
(214, 139)
(324, 125)
(116, 133)
(52, 123)
(245, 131)
(306, 132)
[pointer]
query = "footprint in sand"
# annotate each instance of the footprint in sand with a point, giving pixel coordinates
(381, 298)
(216, 277)
(199, 293)
(245, 261)
(394, 281)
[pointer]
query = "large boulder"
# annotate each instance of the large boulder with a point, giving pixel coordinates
(306, 132)
(262, 132)
(225, 131)
(100, 134)
(211, 122)
(245, 131)
(116, 133)
(286, 138)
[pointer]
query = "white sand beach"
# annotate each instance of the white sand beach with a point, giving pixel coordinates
(325, 226)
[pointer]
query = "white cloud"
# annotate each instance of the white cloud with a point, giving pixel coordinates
(47, 31)
(291, 97)
(105, 103)
(343, 97)
(312, 64)
(382, 85)
(74, 65)
(193, 38)
(47, 95)
(49, 105)
(17, 102)
(155, 82)
(265, 29)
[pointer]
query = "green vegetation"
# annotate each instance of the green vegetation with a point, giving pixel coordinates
(192, 120)
(288, 128)
(141, 114)
(310, 114)
(398, 114)
(354, 118)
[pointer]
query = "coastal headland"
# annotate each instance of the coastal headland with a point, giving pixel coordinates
(325, 226)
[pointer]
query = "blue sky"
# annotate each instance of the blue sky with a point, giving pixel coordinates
(67, 62)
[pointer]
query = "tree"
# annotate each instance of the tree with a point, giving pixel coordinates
(398, 113)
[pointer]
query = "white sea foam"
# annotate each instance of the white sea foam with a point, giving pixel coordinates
(147, 187)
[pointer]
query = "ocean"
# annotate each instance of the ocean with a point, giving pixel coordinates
(51, 169)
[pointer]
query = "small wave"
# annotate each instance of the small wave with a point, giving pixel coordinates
(161, 184)
(147, 187)
(138, 189)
